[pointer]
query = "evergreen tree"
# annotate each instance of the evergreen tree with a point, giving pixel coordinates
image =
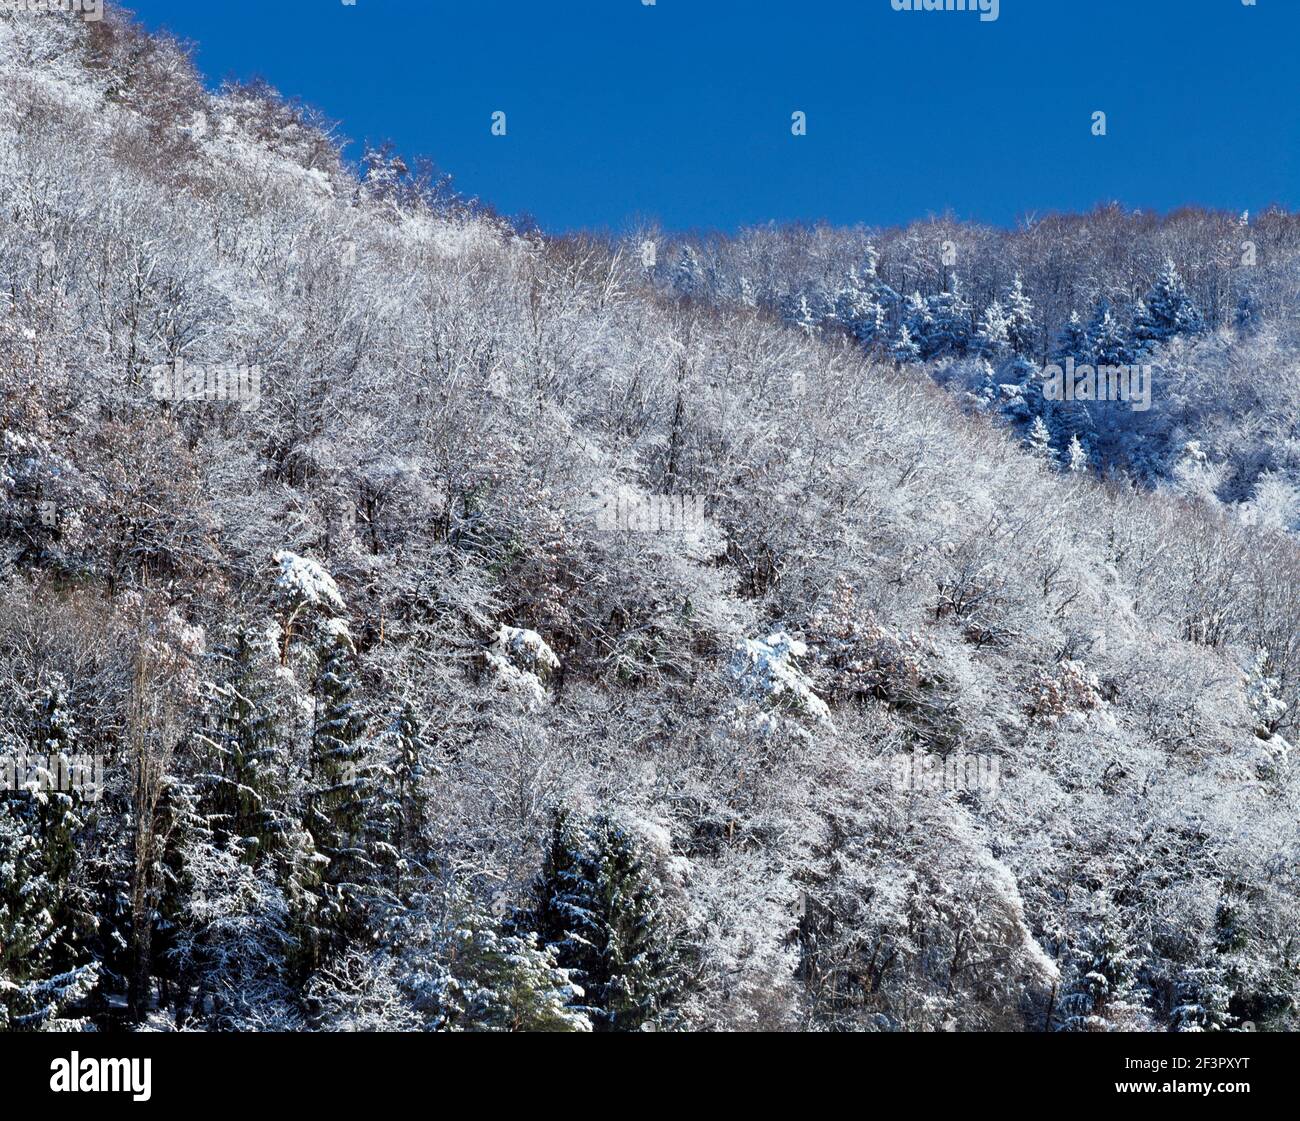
(60, 813)
(951, 315)
(1021, 329)
(1076, 456)
(1072, 342)
(918, 324)
(241, 783)
(1144, 335)
(1171, 307)
(498, 981)
(1039, 440)
(857, 311)
(993, 336)
(1106, 345)
(1102, 993)
(405, 813)
(341, 799)
(35, 993)
(905, 350)
(598, 910)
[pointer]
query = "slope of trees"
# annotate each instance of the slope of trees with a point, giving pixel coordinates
(397, 731)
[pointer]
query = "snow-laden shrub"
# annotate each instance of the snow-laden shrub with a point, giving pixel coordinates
(767, 673)
(306, 583)
(521, 662)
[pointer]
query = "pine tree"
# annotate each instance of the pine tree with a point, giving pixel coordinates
(241, 787)
(918, 328)
(1021, 329)
(1072, 342)
(857, 311)
(35, 993)
(1144, 335)
(1076, 456)
(1106, 345)
(499, 981)
(951, 314)
(597, 909)
(993, 337)
(1102, 993)
(1039, 440)
(1171, 307)
(341, 799)
(905, 350)
(405, 814)
(61, 817)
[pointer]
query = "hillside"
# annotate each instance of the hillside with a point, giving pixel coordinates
(316, 490)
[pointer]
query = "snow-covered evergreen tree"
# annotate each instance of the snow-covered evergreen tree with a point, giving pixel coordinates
(1039, 440)
(1106, 344)
(342, 799)
(35, 995)
(1022, 331)
(598, 909)
(994, 336)
(1076, 456)
(1172, 310)
(1072, 342)
(1144, 336)
(242, 785)
(1102, 992)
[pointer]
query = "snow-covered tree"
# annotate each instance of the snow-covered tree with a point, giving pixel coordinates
(1171, 308)
(596, 907)
(34, 995)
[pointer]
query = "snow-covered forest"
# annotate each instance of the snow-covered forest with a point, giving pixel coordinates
(333, 698)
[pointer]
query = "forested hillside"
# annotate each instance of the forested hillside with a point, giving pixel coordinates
(377, 713)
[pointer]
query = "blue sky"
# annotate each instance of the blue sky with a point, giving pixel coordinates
(680, 112)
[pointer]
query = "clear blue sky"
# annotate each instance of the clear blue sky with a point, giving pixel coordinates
(681, 111)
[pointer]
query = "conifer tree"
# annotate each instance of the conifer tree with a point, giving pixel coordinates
(1072, 342)
(905, 350)
(1106, 344)
(1039, 440)
(1172, 309)
(1144, 335)
(1102, 992)
(404, 815)
(243, 776)
(501, 981)
(1076, 456)
(597, 908)
(993, 336)
(35, 994)
(1021, 329)
(342, 798)
(951, 315)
